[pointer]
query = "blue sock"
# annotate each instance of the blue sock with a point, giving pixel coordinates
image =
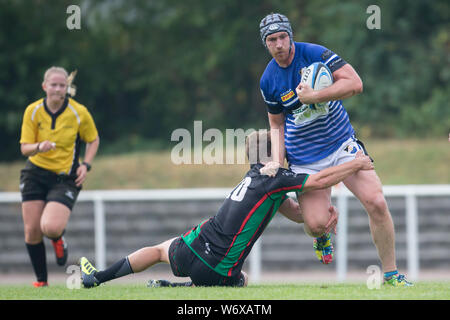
(388, 275)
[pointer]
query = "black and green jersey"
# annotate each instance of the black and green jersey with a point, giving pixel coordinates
(224, 241)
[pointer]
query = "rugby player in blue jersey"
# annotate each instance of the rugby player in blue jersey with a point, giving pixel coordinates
(213, 252)
(315, 139)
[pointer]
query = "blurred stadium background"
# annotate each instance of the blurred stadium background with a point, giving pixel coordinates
(146, 68)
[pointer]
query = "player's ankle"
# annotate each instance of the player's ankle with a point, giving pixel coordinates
(388, 275)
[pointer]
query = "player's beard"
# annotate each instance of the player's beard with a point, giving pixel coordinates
(283, 55)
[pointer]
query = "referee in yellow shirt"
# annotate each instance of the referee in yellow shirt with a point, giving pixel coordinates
(52, 131)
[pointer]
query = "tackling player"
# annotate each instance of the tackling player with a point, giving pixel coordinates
(213, 252)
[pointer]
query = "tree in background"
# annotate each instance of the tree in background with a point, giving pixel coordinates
(148, 67)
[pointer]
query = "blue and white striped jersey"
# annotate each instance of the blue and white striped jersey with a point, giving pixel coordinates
(319, 132)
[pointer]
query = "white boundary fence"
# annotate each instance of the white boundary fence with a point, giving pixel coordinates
(342, 194)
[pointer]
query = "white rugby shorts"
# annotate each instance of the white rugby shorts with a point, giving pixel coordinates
(345, 153)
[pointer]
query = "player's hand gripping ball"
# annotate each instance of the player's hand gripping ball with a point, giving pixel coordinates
(317, 76)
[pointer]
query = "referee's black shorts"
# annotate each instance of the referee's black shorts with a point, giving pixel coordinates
(40, 184)
(185, 263)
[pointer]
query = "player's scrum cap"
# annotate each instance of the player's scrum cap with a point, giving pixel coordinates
(272, 23)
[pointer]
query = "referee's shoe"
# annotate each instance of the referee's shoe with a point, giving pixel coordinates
(61, 252)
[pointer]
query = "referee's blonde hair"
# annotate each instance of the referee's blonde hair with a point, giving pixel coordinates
(258, 146)
(53, 70)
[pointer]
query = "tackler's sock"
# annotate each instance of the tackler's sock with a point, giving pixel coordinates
(119, 269)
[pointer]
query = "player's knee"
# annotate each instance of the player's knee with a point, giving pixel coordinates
(51, 231)
(32, 234)
(314, 208)
(376, 206)
(163, 255)
(319, 231)
(315, 228)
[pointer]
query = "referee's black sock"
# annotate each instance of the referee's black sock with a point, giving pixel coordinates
(38, 260)
(119, 269)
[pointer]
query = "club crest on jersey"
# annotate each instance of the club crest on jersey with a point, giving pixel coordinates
(287, 95)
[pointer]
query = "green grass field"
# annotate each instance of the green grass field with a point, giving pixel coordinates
(397, 162)
(324, 291)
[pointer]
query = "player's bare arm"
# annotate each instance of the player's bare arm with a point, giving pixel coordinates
(276, 122)
(291, 210)
(30, 149)
(333, 175)
(347, 83)
(91, 151)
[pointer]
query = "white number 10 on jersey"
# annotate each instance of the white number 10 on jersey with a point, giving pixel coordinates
(239, 192)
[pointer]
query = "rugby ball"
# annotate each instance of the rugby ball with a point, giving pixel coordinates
(317, 76)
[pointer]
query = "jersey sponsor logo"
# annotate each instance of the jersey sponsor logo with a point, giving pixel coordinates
(306, 114)
(286, 96)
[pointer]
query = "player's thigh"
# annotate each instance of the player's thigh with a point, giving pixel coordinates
(54, 218)
(31, 215)
(164, 250)
(314, 206)
(367, 187)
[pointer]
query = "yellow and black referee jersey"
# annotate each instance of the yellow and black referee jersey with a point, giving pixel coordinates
(66, 128)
